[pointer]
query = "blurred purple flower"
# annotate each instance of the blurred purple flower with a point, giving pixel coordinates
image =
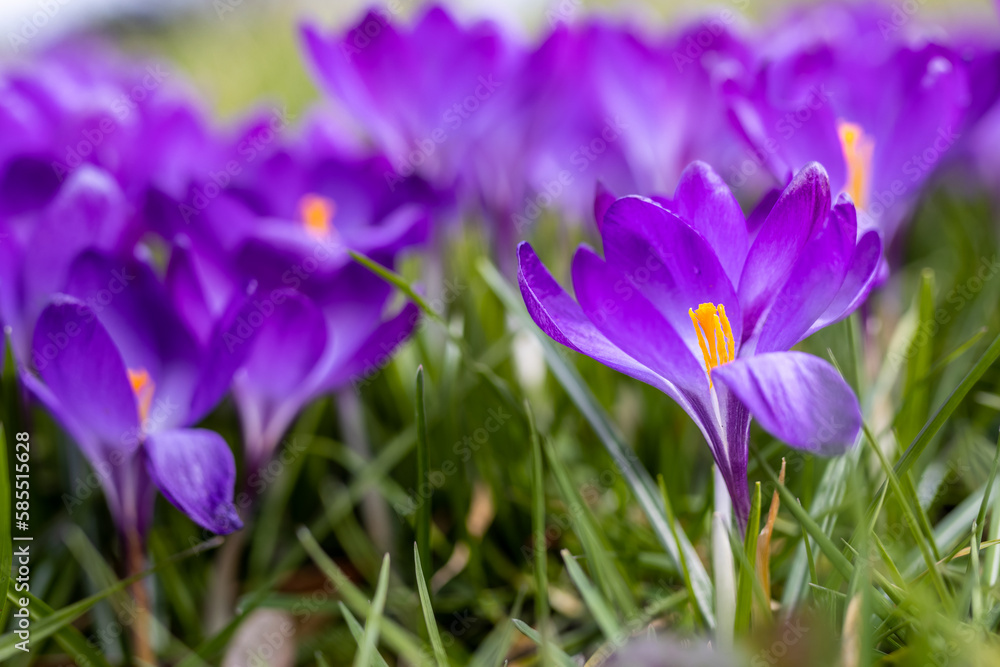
(126, 378)
(693, 302)
(314, 320)
(877, 103)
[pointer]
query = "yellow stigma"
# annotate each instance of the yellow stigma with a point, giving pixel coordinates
(858, 149)
(715, 336)
(317, 214)
(143, 387)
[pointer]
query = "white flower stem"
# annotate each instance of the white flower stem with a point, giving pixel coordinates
(722, 564)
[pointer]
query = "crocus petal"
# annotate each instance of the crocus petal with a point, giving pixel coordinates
(798, 398)
(84, 372)
(804, 203)
(562, 319)
(373, 351)
(603, 200)
(862, 276)
(293, 331)
(813, 283)
(195, 470)
(132, 304)
(633, 324)
(705, 202)
(658, 254)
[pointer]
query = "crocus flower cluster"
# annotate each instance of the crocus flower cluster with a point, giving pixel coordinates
(152, 264)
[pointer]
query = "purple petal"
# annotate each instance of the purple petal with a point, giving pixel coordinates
(559, 316)
(293, 330)
(803, 204)
(196, 472)
(85, 374)
(862, 276)
(633, 324)
(814, 282)
(374, 350)
(673, 266)
(705, 202)
(603, 199)
(132, 304)
(798, 398)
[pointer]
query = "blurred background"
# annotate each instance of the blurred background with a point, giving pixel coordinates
(245, 52)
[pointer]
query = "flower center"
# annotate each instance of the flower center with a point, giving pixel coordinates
(858, 149)
(715, 336)
(143, 388)
(317, 214)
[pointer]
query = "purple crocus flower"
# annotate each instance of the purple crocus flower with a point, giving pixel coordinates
(126, 379)
(692, 302)
(425, 93)
(842, 84)
(279, 234)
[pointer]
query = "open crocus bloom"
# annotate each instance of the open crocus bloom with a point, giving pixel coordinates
(125, 378)
(690, 302)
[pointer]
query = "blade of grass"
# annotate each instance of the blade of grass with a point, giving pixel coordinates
(605, 618)
(748, 569)
(605, 568)
(395, 636)
(911, 520)
(560, 656)
(540, 544)
(48, 622)
(671, 520)
(981, 517)
(637, 477)
(423, 518)
(944, 412)
(358, 633)
(363, 658)
(823, 541)
(425, 604)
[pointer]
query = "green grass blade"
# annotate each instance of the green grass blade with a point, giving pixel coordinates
(917, 393)
(395, 636)
(358, 633)
(911, 520)
(981, 517)
(49, 622)
(671, 520)
(823, 541)
(748, 573)
(637, 477)
(67, 636)
(425, 604)
(539, 551)
(603, 615)
(943, 413)
(369, 643)
(560, 656)
(399, 282)
(423, 517)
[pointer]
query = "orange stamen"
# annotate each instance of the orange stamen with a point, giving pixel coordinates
(715, 336)
(858, 150)
(317, 214)
(143, 388)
